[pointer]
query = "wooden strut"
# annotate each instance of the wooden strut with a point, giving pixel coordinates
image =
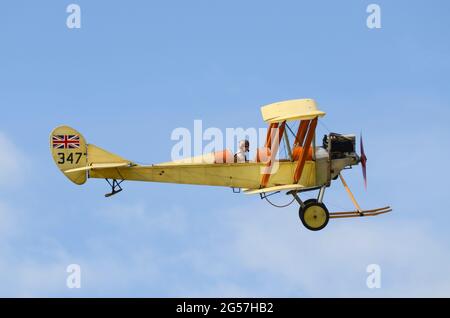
(350, 194)
(301, 133)
(306, 144)
(273, 145)
(353, 214)
(269, 135)
(359, 211)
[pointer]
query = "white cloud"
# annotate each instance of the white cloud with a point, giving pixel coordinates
(7, 221)
(248, 251)
(333, 262)
(12, 162)
(256, 250)
(140, 216)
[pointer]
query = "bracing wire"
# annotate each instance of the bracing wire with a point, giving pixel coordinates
(324, 126)
(279, 206)
(289, 128)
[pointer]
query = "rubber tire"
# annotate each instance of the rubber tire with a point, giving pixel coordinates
(309, 201)
(307, 205)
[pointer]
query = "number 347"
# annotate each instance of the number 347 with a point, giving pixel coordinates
(73, 158)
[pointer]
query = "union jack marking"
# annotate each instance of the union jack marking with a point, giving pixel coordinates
(66, 141)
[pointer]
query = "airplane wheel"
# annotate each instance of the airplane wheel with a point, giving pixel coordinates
(314, 215)
(309, 201)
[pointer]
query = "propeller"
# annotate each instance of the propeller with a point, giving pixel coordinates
(363, 161)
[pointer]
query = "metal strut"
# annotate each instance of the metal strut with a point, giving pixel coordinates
(297, 198)
(115, 187)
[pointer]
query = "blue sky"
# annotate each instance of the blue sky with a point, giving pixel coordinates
(136, 70)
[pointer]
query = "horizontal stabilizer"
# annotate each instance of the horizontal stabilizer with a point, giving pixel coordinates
(99, 166)
(75, 157)
(286, 187)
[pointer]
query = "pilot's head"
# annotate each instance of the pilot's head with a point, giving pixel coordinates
(244, 145)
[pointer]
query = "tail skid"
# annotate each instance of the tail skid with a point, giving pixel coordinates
(115, 187)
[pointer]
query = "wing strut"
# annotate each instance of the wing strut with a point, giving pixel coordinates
(308, 133)
(273, 143)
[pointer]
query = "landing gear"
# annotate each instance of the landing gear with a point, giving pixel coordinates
(314, 215)
(309, 201)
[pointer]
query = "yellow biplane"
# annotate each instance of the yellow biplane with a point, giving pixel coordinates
(307, 166)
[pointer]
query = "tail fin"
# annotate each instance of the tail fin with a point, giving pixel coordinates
(74, 157)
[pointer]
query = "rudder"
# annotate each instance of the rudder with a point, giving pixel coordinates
(69, 151)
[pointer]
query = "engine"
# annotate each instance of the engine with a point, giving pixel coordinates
(339, 146)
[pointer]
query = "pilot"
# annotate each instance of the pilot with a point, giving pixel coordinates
(240, 156)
